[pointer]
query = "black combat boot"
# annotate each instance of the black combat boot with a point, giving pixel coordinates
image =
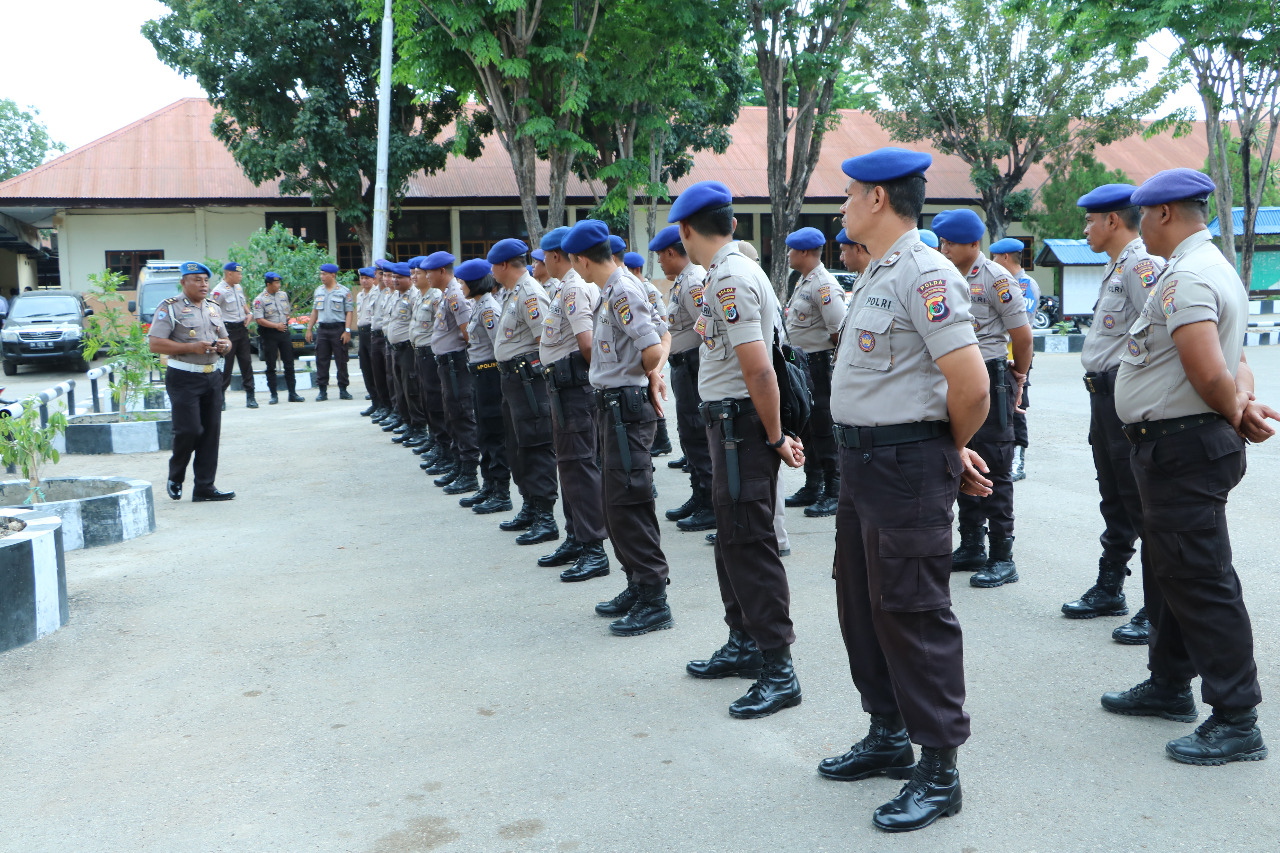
(1019, 464)
(521, 520)
(661, 440)
(932, 792)
(427, 446)
(323, 395)
(450, 474)
(251, 402)
(811, 492)
(344, 394)
(649, 613)
(295, 397)
(416, 438)
(275, 399)
(830, 500)
(406, 436)
(373, 407)
(1228, 735)
(499, 499)
(392, 424)
(703, 516)
(593, 562)
(1000, 568)
(566, 555)
(544, 527)
(1158, 696)
(1135, 632)
(380, 415)
(740, 656)
(886, 749)
(620, 604)
(678, 463)
(776, 688)
(444, 462)
(476, 498)
(972, 553)
(431, 457)
(685, 509)
(466, 481)
(1104, 598)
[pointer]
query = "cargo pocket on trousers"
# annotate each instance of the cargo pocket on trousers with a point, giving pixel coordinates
(1187, 541)
(752, 516)
(578, 444)
(915, 569)
(622, 490)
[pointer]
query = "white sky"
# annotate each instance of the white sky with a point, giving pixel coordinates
(85, 65)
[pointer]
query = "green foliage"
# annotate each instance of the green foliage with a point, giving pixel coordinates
(854, 89)
(24, 141)
(1057, 215)
(1271, 190)
(117, 332)
(26, 445)
(277, 250)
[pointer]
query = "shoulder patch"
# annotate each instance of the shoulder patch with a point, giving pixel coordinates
(531, 304)
(1145, 270)
(934, 294)
(1167, 303)
(1003, 285)
(623, 308)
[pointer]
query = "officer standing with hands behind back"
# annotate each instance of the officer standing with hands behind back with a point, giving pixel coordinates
(333, 308)
(271, 312)
(228, 295)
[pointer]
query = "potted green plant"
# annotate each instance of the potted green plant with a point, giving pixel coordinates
(28, 445)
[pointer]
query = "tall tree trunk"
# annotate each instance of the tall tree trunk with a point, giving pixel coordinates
(657, 144)
(1207, 78)
(364, 233)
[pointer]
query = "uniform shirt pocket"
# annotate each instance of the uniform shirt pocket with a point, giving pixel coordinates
(870, 345)
(713, 348)
(1109, 316)
(606, 346)
(1138, 349)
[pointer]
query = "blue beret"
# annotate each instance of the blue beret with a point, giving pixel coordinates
(368, 272)
(231, 266)
(472, 270)
(1008, 244)
(700, 196)
(505, 250)
(632, 260)
(805, 239)
(1173, 185)
(668, 236)
(416, 262)
(843, 239)
(1107, 198)
(886, 164)
(616, 245)
(329, 268)
(928, 238)
(271, 276)
(399, 269)
(193, 267)
(538, 255)
(553, 238)
(382, 264)
(584, 235)
(436, 260)
(959, 226)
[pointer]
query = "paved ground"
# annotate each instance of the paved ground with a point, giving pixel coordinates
(343, 660)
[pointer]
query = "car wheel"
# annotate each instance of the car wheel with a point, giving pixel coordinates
(10, 369)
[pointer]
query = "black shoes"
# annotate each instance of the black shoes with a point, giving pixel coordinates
(1019, 464)
(830, 500)
(972, 553)
(449, 474)
(932, 792)
(466, 481)
(477, 498)
(543, 527)
(1135, 632)
(810, 492)
(592, 562)
(1000, 568)
(520, 521)
(1155, 697)
(173, 490)
(211, 495)
(700, 516)
(685, 509)
(369, 411)
(275, 398)
(620, 604)
(443, 462)
(739, 657)
(250, 402)
(886, 749)
(678, 463)
(649, 613)
(661, 440)
(776, 688)
(344, 394)
(499, 499)
(1225, 736)
(295, 397)
(323, 395)
(566, 555)
(1104, 598)
(393, 424)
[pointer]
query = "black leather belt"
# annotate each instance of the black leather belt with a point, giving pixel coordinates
(230, 323)
(332, 324)
(717, 410)
(676, 359)
(484, 365)
(512, 365)
(364, 327)
(379, 333)
(856, 438)
(1103, 383)
(402, 345)
(1151, 430)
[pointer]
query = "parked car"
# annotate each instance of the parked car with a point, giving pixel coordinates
(157, 281)
(45, 326)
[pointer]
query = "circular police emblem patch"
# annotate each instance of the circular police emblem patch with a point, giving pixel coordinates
(1108, 322)
(1134, 350)
(866, 341)
(509, 333)
(731, 312)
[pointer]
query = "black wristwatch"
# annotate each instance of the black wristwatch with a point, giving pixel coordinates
(775, 444)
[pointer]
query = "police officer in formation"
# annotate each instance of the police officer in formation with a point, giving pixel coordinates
(634, 263)
(383, 392)
(433, 274)
(271, 311)
(365, 298)
(1007, 253)
(449, 348)
(478, 284)
(399, 328)
(393, 421)
(229, 296)
(333, 310)
(856, 259)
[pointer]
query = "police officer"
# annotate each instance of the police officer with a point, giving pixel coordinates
(814, 315)
(634, 263)
(1007, 253)
(629, 346)
(478, 285)
(565, 350)
(365, 297)
(909, 389)
(1111, 227)
(855, 258)
(684, 307)
(188, 329)
(378, 346)
(228, 295)
(1185, 395)
(449, 345)
(999, 317)
(740, 406)
(526, 409)
(271, 312)
(333, 308)
(436, 272)
(385, 307)
(399, 328)
(541, 274)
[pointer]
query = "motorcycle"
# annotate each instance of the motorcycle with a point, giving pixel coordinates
(1047, 314)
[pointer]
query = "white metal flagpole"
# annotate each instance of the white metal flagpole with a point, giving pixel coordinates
(381, 205)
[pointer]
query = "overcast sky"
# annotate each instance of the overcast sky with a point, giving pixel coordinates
(85, 65)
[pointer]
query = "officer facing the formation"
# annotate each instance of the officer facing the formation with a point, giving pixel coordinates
(855, 258)
(741, 408)
(188, 329)
(1185, 395)
(565, 349)
(365, 298)
(494, 494)
(333, 308)
(909, 390)
(628, 352)
(526, 409)
(228, 295)
(814, 316)
(1007, 253)
(399, 328)
(999, 316)
(684, 308)
(1111, 226)
(449, 346)
(271, 312)
(378, 346)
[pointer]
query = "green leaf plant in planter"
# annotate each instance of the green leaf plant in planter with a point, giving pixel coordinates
(117, 332)
(27, 445)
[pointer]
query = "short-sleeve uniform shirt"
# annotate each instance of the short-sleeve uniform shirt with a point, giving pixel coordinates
(570, 312)
(179, 319)
(626, 324)
(523, 314)
(816, 311)
(482, 329)
(273, 307)
(401, 320)
(424, 315)
(377, 309)
(453, 312)
(684, 307)
(996, 303)
(365, 300)
(738, 307)
(331, 306)
(654, 296)
(231, 302)
(1126, 284)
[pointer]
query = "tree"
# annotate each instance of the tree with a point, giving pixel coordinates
(24, 141)
(295, 85)
(1002, 90)
(1056, 214)
(853, 89)
(1267, 185)
(295, 260)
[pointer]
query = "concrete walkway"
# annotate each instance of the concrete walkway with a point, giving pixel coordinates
(342, 659)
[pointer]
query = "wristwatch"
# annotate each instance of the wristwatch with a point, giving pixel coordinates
(775, 444)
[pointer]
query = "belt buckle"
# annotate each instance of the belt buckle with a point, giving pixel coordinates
(207, 368)
(1088, 383)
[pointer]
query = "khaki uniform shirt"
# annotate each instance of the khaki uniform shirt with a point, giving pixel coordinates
(627, 323)
(1125, 287)
(424, 315)
(272, 307)
(179, 319)
(398, 325)
(684, 307)
(365, 301)
(378, 310)
(482, 329)
(570, 312)
(911, 308)
(997, 306)
(331, 306)
(738, 307)
(1198, 285)
(816, 311)
(453, 312)
(231, 301)
(654, 296)
(520, 325)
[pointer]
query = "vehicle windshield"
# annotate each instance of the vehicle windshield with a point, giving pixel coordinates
(39, 307)
(155, 292)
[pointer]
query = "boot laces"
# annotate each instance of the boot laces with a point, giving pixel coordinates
(1211, 726)
(926, 769)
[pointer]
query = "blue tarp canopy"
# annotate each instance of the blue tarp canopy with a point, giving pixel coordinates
(1059, 252)
(1268, 222)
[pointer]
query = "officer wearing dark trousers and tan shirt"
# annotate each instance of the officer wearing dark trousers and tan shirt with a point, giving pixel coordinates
(449, 344)
(399, 328)
(495, 492)
(740, 405)
(1185, 395)
(526, 407)
(1111, 226)
(999, 317)
(908, 391)
(565, 349)
(434, 274)
(333, 309)
(228, 295)
(386, 305)
(378, 347)
(188, 329)
(271, 312)
(364, 334)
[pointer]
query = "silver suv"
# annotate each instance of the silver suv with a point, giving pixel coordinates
(45, 326)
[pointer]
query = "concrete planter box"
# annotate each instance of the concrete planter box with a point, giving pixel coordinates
(155, 397)
(33, 578)
(94, 510)
(1057, 343)
(304, 380)
(106, 433)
